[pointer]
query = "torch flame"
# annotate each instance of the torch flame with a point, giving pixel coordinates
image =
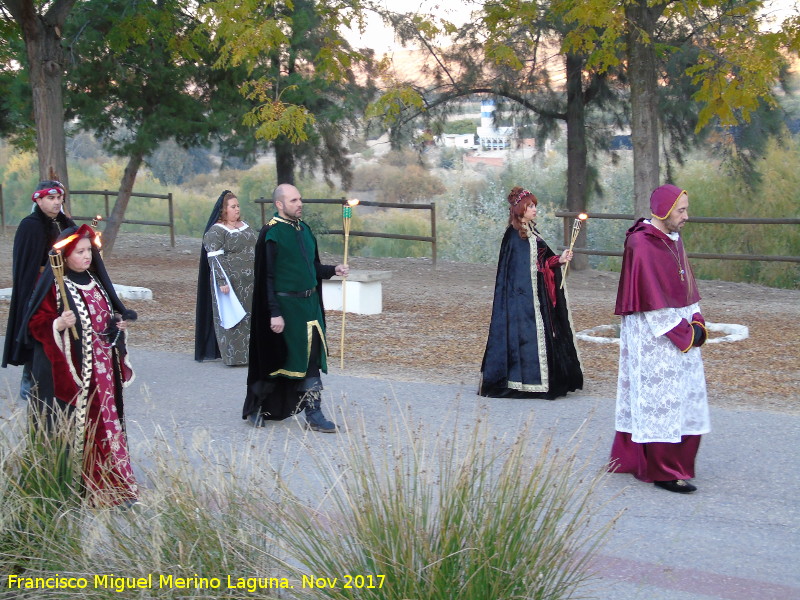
(59, 245)
(583, 216)
(98, 242)
(353, 201)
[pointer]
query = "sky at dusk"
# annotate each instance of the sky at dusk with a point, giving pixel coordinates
(381, 38)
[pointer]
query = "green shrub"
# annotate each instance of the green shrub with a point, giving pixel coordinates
(400, 158)
(475, 214)
(19, 174)
(714, 193)
(411, 183)
(368, 177)
(461, 126)
(38, 490)
(200, 517)
(399, 222)
(451, 158)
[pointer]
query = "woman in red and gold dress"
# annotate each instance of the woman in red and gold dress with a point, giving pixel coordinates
(80, 368)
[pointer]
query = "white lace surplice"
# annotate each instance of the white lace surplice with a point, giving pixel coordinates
(661, 392)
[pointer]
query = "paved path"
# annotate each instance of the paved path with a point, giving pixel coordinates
(737, 538)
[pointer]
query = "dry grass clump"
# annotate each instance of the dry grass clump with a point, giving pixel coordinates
(456, 515)
(401, 513)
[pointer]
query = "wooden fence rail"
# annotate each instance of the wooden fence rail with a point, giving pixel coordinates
(726, 220)
(107, 194)
(106, 203)
(431, 239)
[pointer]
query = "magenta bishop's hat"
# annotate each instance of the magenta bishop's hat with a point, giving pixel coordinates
(663, 200)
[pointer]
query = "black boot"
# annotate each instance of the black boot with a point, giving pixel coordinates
(315, 420)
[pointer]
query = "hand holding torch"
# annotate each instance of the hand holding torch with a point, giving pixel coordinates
(57, 264)
(576, 229)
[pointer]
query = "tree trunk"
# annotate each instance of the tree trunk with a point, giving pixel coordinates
(121, 205)
(284, 161)
(577, 169)
(42, 35)
(643, 77)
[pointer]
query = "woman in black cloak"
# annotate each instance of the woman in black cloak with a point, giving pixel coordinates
(531, 350)
(225, 285)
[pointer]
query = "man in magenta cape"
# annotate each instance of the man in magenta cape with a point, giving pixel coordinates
(662, 407)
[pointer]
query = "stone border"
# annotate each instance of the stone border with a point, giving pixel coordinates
(735, 333)
(125, 292)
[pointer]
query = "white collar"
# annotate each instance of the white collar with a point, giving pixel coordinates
(226, 228)
(673, 235)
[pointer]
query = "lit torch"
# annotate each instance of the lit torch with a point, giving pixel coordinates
(576, 229)
(98, 242)
(57, 264)
(347, 214)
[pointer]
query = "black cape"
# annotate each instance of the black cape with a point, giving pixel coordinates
(526, 330)
(275, 398)
(33, 240)
(205, 340)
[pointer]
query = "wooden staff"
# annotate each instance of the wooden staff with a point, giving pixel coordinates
(347, 214)
(576, 229)
(57, 264)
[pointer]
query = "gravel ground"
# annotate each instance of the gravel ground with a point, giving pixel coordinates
(434, 322)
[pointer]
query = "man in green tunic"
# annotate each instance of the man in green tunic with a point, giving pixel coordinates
(287, 342)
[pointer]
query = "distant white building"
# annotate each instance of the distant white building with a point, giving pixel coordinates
(464, 141)
(489, 136)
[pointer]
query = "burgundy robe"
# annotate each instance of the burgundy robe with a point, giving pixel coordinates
(655, 275)
(648, 278)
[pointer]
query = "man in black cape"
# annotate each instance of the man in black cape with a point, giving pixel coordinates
(35, 235)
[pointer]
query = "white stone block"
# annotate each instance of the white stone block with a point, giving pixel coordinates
(125, 292)
(364, 292)
(131, 292)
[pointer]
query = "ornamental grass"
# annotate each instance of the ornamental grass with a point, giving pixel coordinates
(460, 514)
(399, 512)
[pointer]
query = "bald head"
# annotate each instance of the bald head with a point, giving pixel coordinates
(288, 201)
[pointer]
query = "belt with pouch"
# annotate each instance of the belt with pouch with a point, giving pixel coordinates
(303, 294)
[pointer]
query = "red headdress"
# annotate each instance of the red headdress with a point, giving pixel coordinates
(47, 188)
(517, 194)
(70, 237)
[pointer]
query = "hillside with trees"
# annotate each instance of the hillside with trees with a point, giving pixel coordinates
(195, 97)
